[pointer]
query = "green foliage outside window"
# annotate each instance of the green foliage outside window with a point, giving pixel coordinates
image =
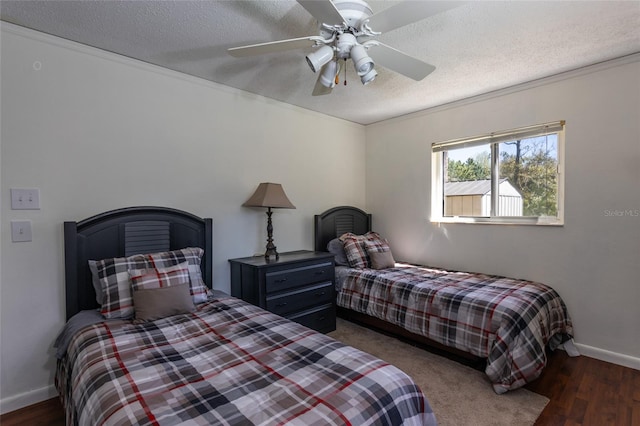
(529, 164)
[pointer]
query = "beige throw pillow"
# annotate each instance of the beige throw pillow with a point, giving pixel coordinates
(382, 260)
(156, 303)
(379, 254)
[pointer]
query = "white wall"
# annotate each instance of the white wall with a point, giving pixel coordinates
(594, 260)
(95, 132)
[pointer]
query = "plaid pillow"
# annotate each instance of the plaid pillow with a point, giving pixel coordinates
(147, 279)
(354, 247)
(377, 245)
(113, 275)
(115, 282)
(191, 255)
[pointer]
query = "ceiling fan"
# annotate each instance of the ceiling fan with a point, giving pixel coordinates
(347, 31)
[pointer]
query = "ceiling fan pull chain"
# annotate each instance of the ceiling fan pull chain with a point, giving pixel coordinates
(345, 71)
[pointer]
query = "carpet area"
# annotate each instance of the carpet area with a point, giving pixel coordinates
(459, 395)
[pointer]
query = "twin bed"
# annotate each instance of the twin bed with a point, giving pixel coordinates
(508, 323)
(148, 342)
(220, 361)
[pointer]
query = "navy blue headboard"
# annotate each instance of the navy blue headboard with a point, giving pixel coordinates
(337, 221)
(124, 232)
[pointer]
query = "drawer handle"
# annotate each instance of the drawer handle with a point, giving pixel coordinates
(322, 293)
(321, 318)
(319, 272)
(280, 305)
(281, 280)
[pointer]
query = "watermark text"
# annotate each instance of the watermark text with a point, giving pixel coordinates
(622, 213)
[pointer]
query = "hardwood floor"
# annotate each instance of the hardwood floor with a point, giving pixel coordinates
(582, 390)
(586, 391)
(47, 412)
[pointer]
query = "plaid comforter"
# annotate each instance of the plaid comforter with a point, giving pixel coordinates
(505, 320)
(229, 363)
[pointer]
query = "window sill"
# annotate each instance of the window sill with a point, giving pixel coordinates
(505, 220)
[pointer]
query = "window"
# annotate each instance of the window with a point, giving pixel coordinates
(513, 176)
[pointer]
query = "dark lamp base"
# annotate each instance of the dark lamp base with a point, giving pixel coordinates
(271, 252)
(271, 249)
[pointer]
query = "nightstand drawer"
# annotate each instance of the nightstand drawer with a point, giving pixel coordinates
(301, 298)
(296, 277)
(322, 318)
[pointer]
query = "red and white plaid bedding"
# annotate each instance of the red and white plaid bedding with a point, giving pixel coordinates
(505, 320)
(229, 363)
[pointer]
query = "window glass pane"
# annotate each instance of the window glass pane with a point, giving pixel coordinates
(528, 177)
(525, 165)
(467, 181)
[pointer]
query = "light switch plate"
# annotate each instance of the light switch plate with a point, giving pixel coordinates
(25, 199)
(21, 231)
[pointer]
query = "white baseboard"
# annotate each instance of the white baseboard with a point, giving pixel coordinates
(22, 400)
(608, 356)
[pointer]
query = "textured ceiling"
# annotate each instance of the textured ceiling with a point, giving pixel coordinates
(478, 47)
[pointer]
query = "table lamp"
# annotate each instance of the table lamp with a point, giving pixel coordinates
(271, 196)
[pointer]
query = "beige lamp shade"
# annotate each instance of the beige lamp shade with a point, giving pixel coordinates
(269, 195)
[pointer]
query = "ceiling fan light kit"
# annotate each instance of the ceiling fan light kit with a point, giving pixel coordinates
(346, 32)
(329, 72)
(319, 58)
(361, 61)
(369, 77)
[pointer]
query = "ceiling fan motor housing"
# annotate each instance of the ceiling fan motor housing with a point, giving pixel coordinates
(344, 44)
(354, 12)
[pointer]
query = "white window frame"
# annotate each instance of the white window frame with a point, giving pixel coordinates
(492, 140)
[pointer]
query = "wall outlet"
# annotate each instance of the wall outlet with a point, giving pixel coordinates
(25, 199)
(20, 231)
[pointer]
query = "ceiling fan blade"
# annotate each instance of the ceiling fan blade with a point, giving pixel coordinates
(323, 10)
(408, 12)
(273, 46)
(399, 62)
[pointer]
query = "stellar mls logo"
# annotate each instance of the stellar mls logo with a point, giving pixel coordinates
(622, 213)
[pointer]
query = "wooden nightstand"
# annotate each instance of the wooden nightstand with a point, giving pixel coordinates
(299, 286)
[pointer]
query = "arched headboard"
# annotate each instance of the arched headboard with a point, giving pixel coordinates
(336, 221)
(125, 232)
